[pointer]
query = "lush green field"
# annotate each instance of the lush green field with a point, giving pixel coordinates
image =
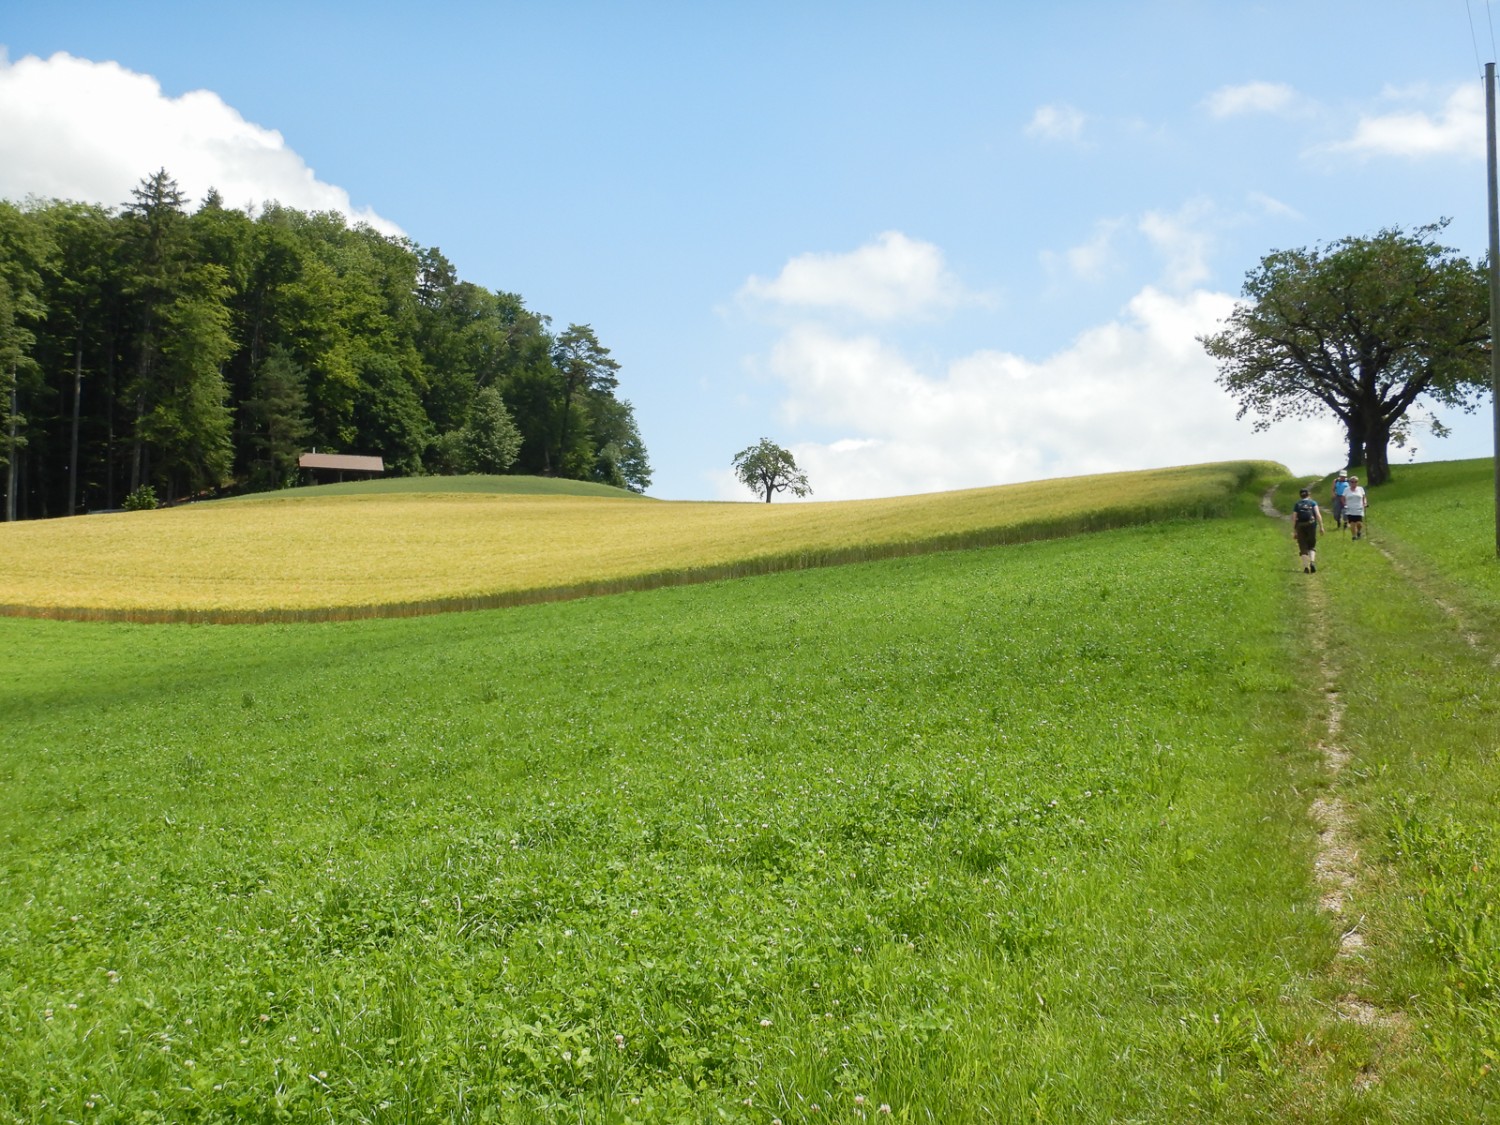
(1019, 833)
(1413, 626)
(1441, 519)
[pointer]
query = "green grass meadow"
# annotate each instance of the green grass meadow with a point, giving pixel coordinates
(1009, 834)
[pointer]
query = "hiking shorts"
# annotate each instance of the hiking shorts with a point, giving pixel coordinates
(1307, 536)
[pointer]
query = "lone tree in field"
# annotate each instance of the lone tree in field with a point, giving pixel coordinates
(1362, 328)
(767, 468)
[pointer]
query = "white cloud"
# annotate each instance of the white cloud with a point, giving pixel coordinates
(1091, 260)
(1136, 392)
(894, 277)
(1183, 242)
(1455, 129)
(1251, 97)
(1056, 123)
(75, 129)
(1180, 242)
(1270, 205)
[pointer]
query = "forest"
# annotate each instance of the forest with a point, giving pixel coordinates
(152, 350)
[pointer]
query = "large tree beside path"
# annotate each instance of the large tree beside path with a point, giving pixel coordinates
(1361, 328)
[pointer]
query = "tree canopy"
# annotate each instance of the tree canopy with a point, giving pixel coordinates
(766, 469)
(1362, 329)
(197, 351)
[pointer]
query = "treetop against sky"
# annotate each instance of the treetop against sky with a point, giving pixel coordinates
(920, 249)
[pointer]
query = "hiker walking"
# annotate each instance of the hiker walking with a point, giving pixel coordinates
(1356, 504)
(1307, 523)
(1340, 487)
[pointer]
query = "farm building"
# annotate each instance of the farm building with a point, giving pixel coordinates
(322, 468)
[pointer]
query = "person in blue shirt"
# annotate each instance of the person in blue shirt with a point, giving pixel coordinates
(1340, 487)
(1307, 524)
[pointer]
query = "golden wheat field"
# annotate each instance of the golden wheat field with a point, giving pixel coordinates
(290, 556)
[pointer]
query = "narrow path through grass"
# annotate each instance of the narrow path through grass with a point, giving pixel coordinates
(1399, 643)
(1337, 864)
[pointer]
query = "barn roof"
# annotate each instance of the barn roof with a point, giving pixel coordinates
(344, 462)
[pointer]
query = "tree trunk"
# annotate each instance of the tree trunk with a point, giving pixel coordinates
(1377, 461)
(110, 456)
(73, 447)
(1356, 458)
(10, 475)
(136, 446)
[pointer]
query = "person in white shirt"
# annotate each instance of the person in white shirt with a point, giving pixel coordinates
(1356, 504)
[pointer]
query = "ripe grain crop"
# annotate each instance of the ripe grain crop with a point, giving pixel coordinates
(289, 557)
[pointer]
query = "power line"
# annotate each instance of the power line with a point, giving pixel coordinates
(1473, 36)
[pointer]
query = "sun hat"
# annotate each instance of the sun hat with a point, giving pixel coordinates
(1343, 472)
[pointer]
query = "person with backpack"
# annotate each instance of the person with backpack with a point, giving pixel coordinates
(1307, 524)
(1340, 486)
(1356, 504)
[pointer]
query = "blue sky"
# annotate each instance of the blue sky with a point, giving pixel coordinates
(925, 246)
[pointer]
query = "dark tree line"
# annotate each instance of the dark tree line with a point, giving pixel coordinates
(203, 351)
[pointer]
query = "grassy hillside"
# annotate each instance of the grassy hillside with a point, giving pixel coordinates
(1019, 833)
(1442, 520)
(372, 551)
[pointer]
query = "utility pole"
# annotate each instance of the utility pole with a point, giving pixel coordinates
(1489, 144)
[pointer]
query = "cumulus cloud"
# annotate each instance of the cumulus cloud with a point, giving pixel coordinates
(1135, 392)
(1250, 97)
(71, 128)
(1056, 123)
(894, 277)
(1457, 128)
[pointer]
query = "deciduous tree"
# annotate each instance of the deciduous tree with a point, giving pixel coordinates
(585, 368)
(766, 469)
(1361, 329)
